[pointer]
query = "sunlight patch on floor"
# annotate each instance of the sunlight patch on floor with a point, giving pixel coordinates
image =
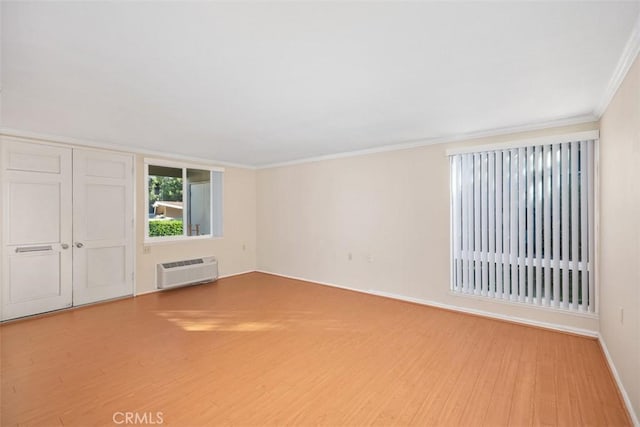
(206, 321)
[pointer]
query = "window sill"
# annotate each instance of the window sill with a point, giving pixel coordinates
(177, 239)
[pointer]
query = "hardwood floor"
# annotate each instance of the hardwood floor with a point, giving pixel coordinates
(263, 350)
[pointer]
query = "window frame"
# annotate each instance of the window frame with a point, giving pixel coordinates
(215, 198)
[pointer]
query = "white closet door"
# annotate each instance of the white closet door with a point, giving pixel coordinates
(103, 226)
(37, 227)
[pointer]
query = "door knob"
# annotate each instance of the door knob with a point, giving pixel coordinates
(64, 246)
(79, 245)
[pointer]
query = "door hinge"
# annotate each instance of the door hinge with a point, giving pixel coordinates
(133, 275)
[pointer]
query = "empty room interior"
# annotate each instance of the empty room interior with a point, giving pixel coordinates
(320, 213)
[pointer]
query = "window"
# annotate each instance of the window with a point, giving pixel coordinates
(182, 202)
(522, 223)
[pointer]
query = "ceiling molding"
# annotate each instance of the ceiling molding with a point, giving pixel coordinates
(47, 138)
(442, 140)
(56, 139)
(629, 54)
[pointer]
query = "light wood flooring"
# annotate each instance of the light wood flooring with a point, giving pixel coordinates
(263, 350)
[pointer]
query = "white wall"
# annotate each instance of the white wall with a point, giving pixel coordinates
(236, 250)
(620, 232)
(390, 211)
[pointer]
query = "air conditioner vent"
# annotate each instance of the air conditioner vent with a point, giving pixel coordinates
(182, 263)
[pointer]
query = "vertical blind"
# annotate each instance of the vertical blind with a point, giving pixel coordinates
(522, 223)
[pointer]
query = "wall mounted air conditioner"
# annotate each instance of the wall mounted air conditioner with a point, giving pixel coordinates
(186, 272)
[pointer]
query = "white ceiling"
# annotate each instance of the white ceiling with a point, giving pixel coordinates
(258, 83)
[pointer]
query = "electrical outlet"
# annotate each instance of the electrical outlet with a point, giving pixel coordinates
(146, 249)
(370, 258)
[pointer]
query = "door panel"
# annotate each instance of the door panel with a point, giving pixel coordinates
(37, 227)
(35, 158)
(106, 266)
(33, 222)
(30, 276)
(103, 226)
(105, 202)
(106, 168)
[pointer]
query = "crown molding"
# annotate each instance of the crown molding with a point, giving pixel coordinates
(628, 56)
(48, 138)
(441, 140)
(56, 139)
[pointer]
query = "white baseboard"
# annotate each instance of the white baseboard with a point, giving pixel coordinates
(512, 319)
(315, 282)
(152, 291)
(616, 376)
(237, 274)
